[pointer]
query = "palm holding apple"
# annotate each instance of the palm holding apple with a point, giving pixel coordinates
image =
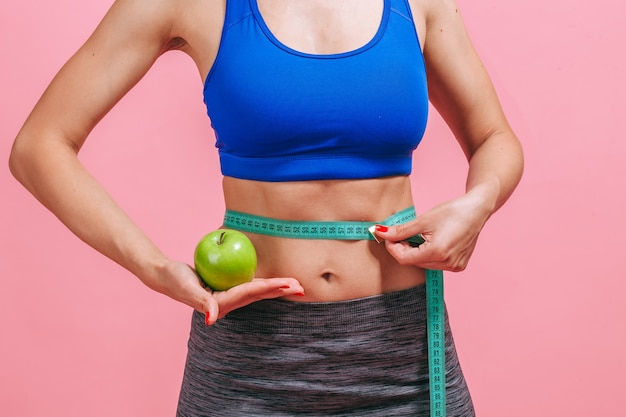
(234, 289)
(179, 281)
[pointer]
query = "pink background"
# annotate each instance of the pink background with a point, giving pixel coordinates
(539, 314)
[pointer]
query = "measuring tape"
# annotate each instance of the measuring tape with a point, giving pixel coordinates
(435, 319)
(363, 231)
(311, 229)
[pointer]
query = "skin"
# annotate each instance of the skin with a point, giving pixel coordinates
(131, 37)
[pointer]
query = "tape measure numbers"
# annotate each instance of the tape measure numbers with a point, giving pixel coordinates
(435, 319)
(361, 231)
(310, 229)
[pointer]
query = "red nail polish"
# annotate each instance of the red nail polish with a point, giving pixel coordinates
(284, 287)
(381, 228)
(207, 316)
(300, 294)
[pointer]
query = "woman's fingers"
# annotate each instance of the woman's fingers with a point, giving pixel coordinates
(402, 231)
(450, 232)
(429, 255)
(211, 311)
(181, 282)
(258, 289)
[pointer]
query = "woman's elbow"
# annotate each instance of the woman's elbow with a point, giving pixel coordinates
(30, 155)
(18, 158)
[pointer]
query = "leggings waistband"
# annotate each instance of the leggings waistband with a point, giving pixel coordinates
(336, 230)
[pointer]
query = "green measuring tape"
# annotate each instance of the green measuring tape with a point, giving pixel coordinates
(363, 231)
(435, 318)
(311, 229)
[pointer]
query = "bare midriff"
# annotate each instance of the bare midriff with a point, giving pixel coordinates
(329, 270)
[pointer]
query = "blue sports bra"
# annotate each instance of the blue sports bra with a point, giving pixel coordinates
(284, 115)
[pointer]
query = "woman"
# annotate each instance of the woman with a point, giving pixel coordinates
(317, 107)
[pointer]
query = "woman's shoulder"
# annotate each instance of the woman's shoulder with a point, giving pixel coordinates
(435, 14)
(168, 18)
(196, 14)
(432, 17)
(191, 26)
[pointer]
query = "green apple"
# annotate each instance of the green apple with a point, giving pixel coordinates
(225, 258)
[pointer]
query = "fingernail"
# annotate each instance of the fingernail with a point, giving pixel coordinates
(381, 228)
(207, 317)
(300, 294)
(284, 287)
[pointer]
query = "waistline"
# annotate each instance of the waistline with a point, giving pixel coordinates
(333, 230)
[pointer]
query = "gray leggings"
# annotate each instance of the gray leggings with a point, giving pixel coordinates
(364, 357)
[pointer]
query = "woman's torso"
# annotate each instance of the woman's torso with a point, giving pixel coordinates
(328, 270)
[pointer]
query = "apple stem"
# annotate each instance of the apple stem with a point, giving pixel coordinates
(219, 242)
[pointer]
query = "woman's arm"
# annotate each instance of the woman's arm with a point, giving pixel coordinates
(44, 158)
(462, 92)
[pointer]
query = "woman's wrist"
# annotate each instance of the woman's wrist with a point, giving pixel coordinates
(149, 265)
(484, 197)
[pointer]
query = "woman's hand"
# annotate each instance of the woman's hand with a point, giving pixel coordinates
(450, 229)
(180, 282)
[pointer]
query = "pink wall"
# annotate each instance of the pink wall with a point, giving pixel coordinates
(539, 315)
